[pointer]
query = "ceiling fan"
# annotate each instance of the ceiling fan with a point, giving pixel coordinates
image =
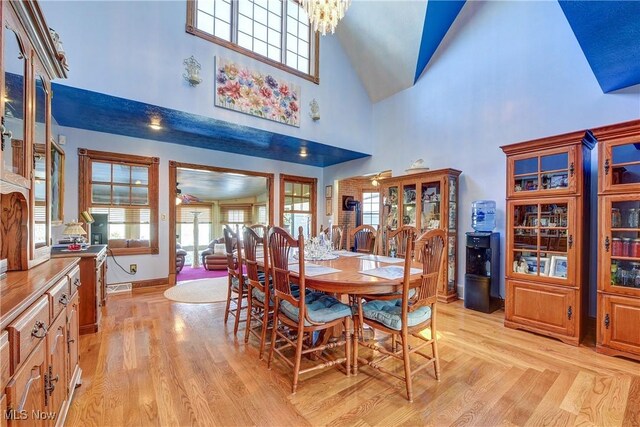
(184, 198)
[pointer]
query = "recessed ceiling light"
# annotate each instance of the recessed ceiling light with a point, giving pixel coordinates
(303, 153)
(155, 126)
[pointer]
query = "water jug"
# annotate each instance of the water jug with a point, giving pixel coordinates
(483, 215)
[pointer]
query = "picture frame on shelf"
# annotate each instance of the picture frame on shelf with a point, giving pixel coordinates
(328, 206)
(328, 191)
(533, 267)
(559, 266)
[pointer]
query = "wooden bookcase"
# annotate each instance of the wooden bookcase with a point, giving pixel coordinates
(426, 200)
(547, 239)
(618, 323)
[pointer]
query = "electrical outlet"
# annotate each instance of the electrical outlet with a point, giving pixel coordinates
(133, 268)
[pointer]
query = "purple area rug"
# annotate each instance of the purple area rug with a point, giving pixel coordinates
(189, 273)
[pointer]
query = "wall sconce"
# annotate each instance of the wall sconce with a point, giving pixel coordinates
(192, 74)
(315, 110)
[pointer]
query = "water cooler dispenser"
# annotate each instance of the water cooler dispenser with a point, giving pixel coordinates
(482, 278)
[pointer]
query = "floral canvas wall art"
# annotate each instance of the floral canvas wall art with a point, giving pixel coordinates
(259, 94)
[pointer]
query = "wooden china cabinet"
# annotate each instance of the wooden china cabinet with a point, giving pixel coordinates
(39, 297)
(547, 235)
(618, 323)
(426, 200)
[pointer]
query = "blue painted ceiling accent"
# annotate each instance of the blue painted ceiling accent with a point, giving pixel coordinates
(609, 35)
(83, 109)
(439, 17)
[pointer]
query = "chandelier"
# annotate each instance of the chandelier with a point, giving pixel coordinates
(325, 14)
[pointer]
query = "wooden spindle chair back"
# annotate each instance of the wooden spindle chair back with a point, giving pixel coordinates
(234, 256)
(337, 236)
(403, 237)
(281, 247)
(429, 250)
(259, 229)
(363, 238)
(251, 242)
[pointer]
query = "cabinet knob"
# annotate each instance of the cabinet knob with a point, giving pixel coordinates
(570, 241)
(607, 165)
(64, 300)
(607, 321)
(572, 169)
(569, 313)
(39, 330)
(607, 244)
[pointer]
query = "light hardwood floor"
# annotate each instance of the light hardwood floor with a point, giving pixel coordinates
(156, 362)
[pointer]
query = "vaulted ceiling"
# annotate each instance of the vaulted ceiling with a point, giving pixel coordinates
(390, 42)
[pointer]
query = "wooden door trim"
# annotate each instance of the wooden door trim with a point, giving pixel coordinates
(173, 180)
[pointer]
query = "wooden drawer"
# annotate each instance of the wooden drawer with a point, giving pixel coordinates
(74, 281)
(29, 329)
(620, 323)
(3, 410)
(26, 391)
(5, 371)
(59, 297)
(541, 307)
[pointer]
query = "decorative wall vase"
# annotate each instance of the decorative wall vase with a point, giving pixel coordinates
(251, 92)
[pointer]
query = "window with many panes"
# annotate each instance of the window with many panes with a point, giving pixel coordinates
(273, 31)
(121, 192)
(371, 208)
(298, 204)
(235, 216)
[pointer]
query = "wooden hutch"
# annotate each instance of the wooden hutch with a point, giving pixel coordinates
(38, 297)
(426, 200)
(547, 235)
(618, 323)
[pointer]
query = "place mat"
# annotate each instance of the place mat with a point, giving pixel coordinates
(347, 253)
(380, 258)
(391, 272)
(312, 270)
(326, 257)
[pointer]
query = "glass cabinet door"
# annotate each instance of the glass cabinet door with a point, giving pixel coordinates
(409, 204)
(13, 138)
(453, 205)
(41, 174)
(542, 241)
(622, 165)
(621, 244)
(390, 200)
(451, 264)
(547, 171)
(430, 203)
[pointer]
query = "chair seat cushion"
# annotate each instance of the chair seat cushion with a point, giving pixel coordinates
(321, 308)
(235, 285)
(389, 313)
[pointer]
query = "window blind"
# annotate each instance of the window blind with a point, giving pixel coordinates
(125, 215)
(185, 214)
(236, 214)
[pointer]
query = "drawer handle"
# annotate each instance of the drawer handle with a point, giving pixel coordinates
(64, 300)
(76, 282)
(39, 326)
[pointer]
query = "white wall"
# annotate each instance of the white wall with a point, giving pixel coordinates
(157, 266)
(135, 49)
(506, 72)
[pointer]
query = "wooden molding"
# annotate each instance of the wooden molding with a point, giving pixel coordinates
(161, 281)
(314, 51)
(314, 197)
(173, 179)
(617, 131)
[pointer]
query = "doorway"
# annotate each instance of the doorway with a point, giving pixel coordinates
(203, 200)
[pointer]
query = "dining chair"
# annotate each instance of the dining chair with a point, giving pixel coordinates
(363, 238)
(337, 236)
(260, 229)
(401, 238)
(409, 315)
(237, 290)
(297, 315)
(259, 293)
